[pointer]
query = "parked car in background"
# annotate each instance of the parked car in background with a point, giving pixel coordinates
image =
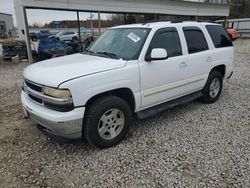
(67, 36)
(51, 47)
(138, 69)
(42, 34)
(232, 33)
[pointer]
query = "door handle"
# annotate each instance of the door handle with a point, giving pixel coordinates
(209, 59)
(183, 65)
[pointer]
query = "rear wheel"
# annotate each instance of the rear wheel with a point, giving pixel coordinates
(107, 121)
(212, 90)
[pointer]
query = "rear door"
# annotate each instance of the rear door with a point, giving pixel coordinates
(199, 57)
(222, 52)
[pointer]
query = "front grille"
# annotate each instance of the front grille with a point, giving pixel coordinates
(33, 86)
(36, 99)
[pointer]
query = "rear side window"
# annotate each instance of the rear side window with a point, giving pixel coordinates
(196, 41)
(168, 39)
(219, 36)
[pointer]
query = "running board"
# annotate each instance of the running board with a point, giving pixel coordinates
(167, 105)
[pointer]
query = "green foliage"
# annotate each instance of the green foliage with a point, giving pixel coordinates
(240, 9)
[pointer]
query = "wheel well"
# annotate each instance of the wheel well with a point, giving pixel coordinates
(221, 69)
(124, 93)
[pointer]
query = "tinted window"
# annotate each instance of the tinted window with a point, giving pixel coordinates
(196, 40)
(219, 36)
(167, 39)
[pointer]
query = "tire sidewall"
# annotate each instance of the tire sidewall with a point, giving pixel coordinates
(92, 122)
(206, 90)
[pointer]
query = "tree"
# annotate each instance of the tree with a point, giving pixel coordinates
(240, 9)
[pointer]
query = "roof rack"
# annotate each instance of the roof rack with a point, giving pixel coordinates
(176, 21)
(164, 20)
(153, 21)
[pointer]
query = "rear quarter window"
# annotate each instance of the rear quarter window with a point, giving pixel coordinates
(219, 36)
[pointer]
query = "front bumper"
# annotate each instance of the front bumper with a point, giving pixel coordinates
(55, 124)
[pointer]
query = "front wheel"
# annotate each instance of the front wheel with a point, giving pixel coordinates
(107, 121)
(212, 90)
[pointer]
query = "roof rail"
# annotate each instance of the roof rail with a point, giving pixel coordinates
(153, 21)
(167, 20)
(177, 21)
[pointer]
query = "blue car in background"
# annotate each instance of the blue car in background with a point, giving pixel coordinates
(42, 34)
(51, 47)
(34, 36)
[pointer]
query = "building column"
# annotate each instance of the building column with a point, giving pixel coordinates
(78, 25)
(27, 37)
(226, 22)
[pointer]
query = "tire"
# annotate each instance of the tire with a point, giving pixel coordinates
(74, 39)
(107, 121)
(212, 90)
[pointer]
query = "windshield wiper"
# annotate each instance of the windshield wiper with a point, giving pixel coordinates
(89, 52)
(111, 55)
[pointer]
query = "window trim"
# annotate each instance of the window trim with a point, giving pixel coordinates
(159, 30)
(194, 28)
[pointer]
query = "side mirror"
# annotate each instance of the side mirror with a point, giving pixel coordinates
(157, 54)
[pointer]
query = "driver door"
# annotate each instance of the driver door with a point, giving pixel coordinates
(164, 80)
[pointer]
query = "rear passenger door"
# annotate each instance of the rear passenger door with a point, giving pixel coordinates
(222, 52)
(199, 58)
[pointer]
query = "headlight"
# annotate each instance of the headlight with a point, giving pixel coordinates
(57, 93)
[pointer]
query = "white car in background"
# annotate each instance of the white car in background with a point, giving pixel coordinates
(67, 36)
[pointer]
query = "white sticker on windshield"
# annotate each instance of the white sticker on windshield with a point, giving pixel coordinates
(134, 37)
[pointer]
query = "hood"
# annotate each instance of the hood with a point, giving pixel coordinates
(53, 72)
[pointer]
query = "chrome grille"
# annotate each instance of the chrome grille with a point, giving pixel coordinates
(34, 86)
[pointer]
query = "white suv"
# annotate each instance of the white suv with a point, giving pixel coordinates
(138, 69)
(67, 36)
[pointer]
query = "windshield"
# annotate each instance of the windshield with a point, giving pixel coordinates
(125, 43)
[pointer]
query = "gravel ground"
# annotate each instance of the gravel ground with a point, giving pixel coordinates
(192, 145)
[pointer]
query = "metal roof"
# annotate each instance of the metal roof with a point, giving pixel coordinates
(170, 7)
(5, 14)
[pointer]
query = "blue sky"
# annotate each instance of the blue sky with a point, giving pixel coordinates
(43, 16)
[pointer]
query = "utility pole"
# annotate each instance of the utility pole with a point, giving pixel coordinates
(91, 23)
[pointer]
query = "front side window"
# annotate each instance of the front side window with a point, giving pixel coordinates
(219, 36)
(196, 41)
(125, 43)
(167, 39)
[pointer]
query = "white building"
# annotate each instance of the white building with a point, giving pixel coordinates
(6, 24)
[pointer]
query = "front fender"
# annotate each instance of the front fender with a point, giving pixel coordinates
(84, 88)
